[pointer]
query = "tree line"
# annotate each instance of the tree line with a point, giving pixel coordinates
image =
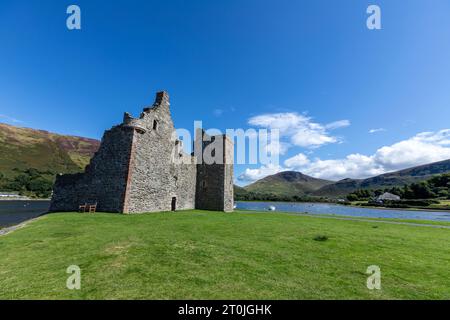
(29, 182)
(259, 196)
(437, 187)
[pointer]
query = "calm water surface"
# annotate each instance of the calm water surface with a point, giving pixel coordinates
(15, 212)
(325, 208)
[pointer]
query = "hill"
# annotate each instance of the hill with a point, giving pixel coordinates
(30, 156)
(24, 148)
(239, 191)
(398, 178)
(287, 183)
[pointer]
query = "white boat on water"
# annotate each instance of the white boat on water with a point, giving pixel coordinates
(272, 208)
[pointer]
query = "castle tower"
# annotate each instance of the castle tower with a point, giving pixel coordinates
(156, 181)
(214, 172)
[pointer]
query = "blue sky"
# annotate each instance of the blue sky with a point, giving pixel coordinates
(287, 64)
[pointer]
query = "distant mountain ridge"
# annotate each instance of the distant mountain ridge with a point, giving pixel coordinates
(287, 183)
(24, 148)
(387, 180)
(292, 183)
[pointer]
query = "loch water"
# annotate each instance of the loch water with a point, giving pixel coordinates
(341, 210)
(14, 212)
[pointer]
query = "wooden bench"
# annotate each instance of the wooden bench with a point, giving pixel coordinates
(91, 208)
(82, 208)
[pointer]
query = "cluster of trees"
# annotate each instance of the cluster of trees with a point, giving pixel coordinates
(362, 195)
(30, 182)
(437, 187)
(256, 196)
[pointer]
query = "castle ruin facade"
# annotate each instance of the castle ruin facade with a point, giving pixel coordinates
(141, 167)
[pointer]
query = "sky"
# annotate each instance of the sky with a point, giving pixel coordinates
(348, 102)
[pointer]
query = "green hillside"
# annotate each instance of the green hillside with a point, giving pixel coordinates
(339, 189)
(288, 183)
(239, 191)
(45, 153)
(291, 185)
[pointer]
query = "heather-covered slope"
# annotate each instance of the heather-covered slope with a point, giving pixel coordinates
(24, 148)
(30, 159)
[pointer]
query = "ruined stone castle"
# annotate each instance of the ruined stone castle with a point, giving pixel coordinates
(141, 167)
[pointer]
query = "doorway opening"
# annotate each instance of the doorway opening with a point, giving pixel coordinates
(174, 204)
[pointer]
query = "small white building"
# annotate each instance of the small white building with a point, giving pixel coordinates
(11, 196)
(8, 195)
(388, 197)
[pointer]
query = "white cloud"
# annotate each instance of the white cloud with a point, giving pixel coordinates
(298, 129)
(421, 149)
(297, 161)
(441, 137)
(338, 124)
(10, 119)
(377, 130)
(251, 175)
(277, 148)
(353, 166)
(426, 147)
(311, 138)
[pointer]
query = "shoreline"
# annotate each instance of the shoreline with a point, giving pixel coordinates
(403, 209)
(354, 206)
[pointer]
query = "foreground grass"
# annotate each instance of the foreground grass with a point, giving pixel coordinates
(208, 255)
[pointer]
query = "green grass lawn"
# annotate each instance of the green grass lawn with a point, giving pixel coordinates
(209, 255)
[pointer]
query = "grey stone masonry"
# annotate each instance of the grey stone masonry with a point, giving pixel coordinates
(141, 167)
(215, 180)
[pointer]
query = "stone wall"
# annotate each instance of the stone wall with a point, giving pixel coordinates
(141, 167)
(228, 190)
(104, 180)
(214, 189)
(158, 173)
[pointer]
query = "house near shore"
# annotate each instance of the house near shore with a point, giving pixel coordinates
(8, 195)
(387, 197)
(11, 196)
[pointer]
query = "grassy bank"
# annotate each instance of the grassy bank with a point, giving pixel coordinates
(441, 205)
(208, 255)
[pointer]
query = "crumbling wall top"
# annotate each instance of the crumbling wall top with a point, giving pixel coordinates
(162, 97)
(161, 100)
